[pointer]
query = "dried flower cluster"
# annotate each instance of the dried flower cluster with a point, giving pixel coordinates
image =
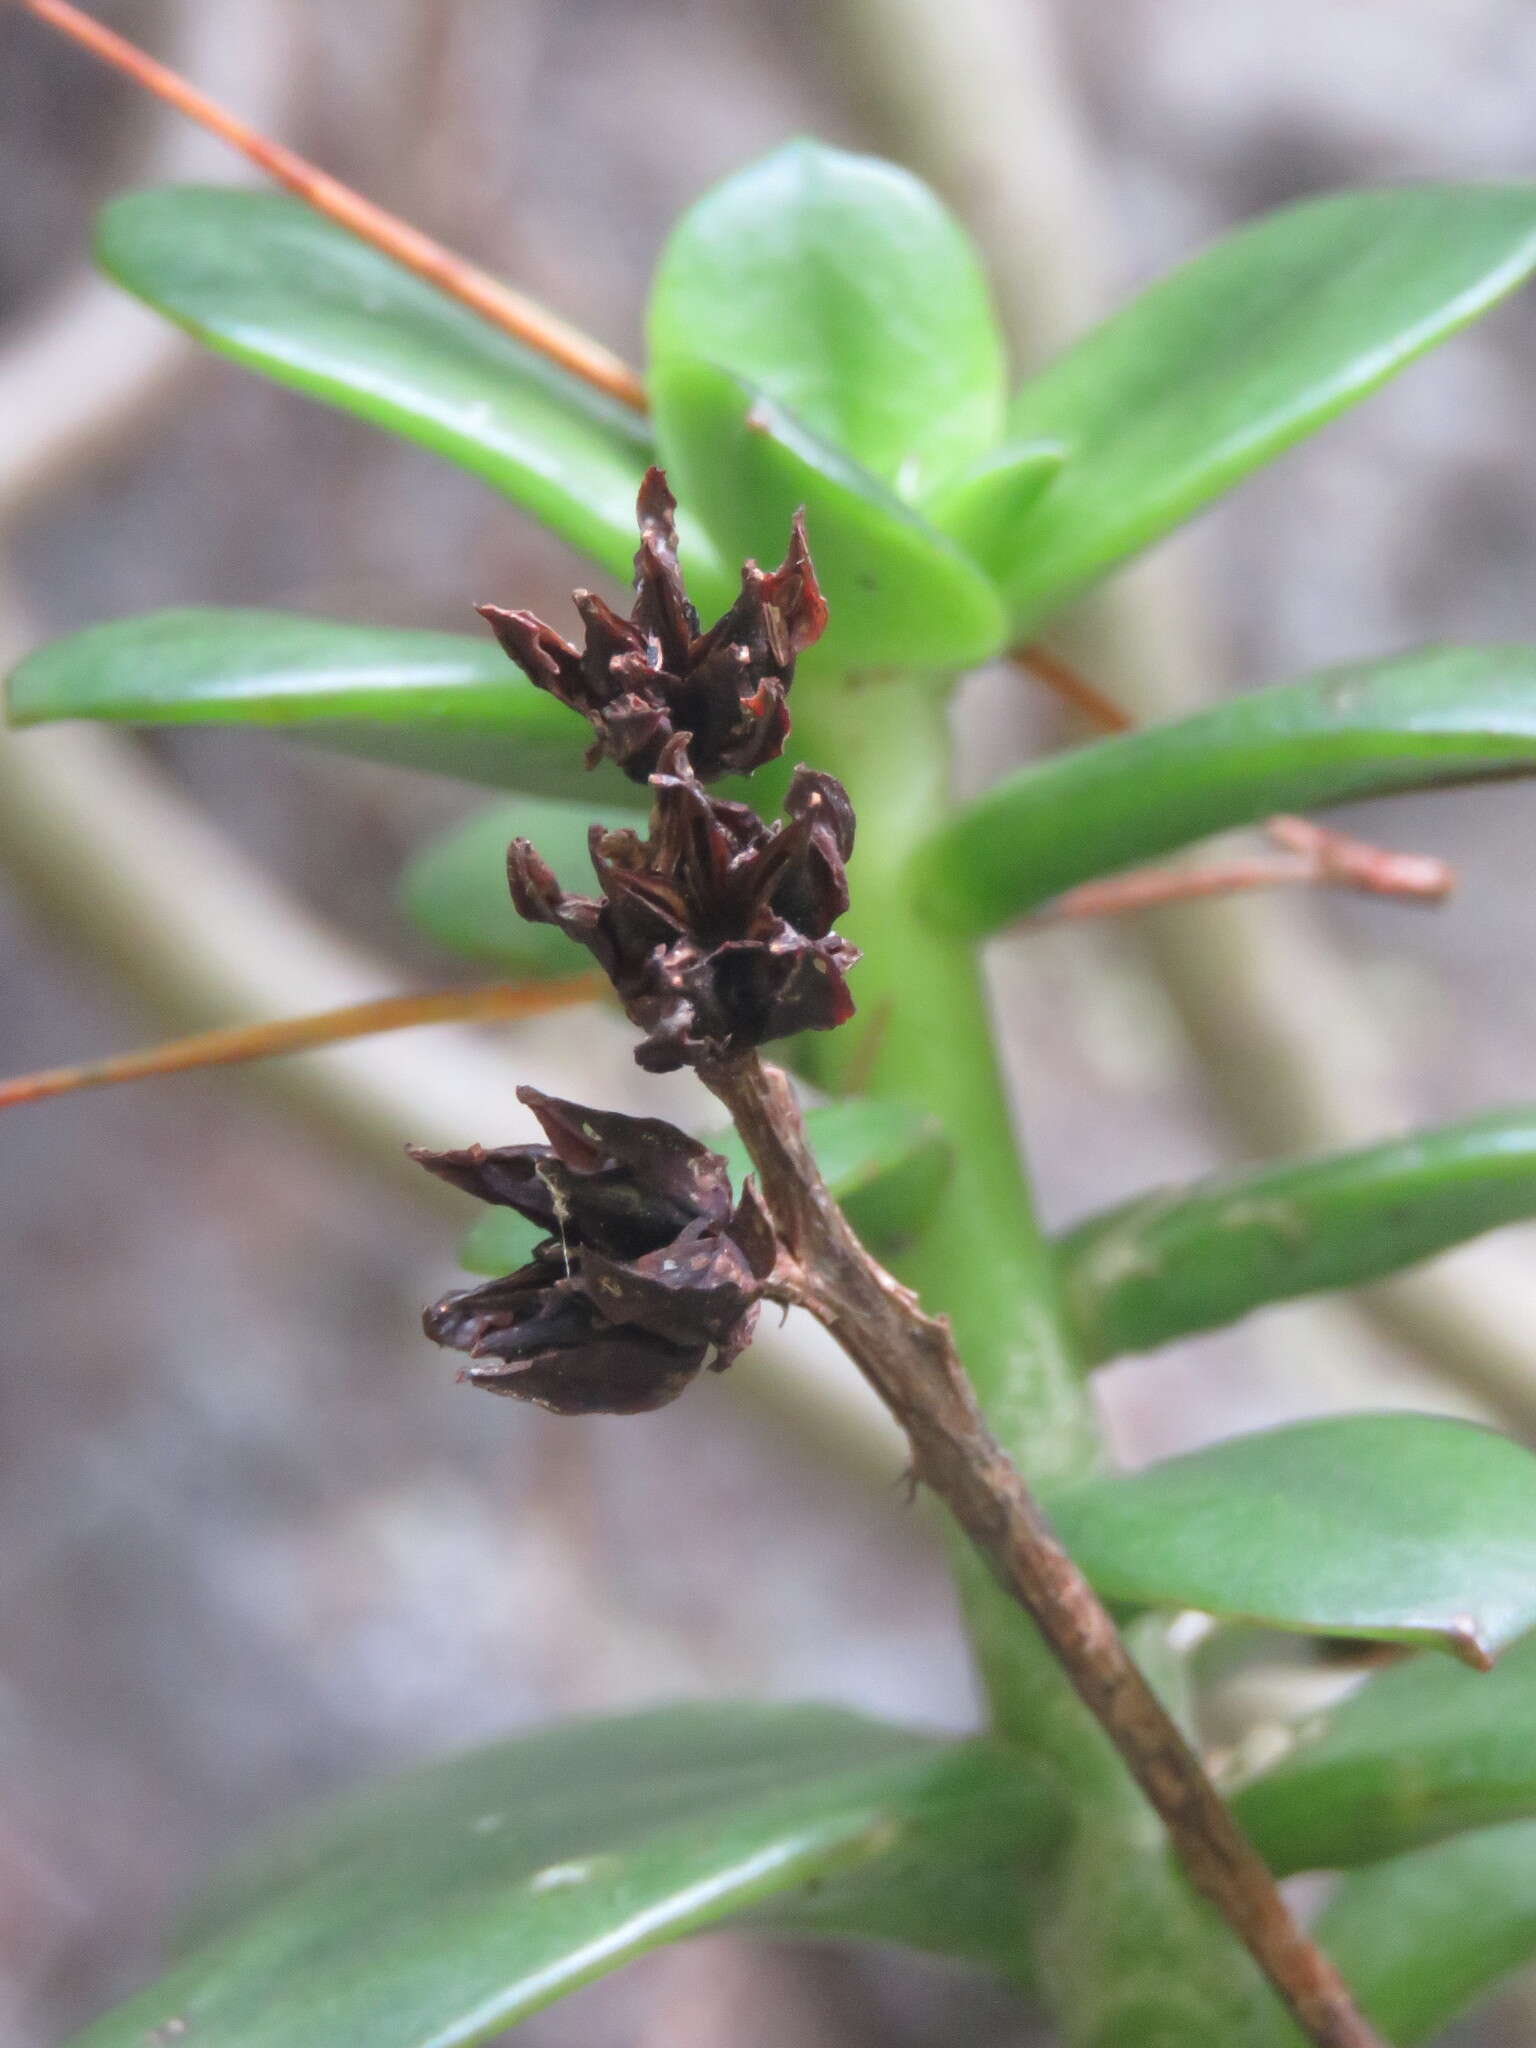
(716, 929)
(649, 1272)
(640, 681)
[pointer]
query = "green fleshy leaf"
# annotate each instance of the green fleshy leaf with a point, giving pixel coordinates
(1183, 1259)
(1420, 1939)
(988, 509)
(899, 593)
(448, 702)
(1239, 353)
(839, 286)
(1420, 1752)
(455, 888)
(1396, 1528)
(437, 1910)
(264, 280)
(1442, 716)
(883, 1162)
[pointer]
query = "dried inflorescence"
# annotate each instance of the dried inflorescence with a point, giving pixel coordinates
(715, 929)
(649, 1272)
(640, 681)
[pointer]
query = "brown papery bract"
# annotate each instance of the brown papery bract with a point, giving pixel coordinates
(641, 681)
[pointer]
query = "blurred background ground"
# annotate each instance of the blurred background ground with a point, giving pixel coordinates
(254, 1544)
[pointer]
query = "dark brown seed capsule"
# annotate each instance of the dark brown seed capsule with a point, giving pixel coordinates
(650, 1272)
(715, 929)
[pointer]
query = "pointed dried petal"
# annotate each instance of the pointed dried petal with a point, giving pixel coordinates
(614, 1372)
(793, 594)
(692, 1292)
(751, 1227)
(644, 680)
(475, 1317)
(683, 1178)
(506, 1175)
(824, 801)
(547, 660)
(662, 610)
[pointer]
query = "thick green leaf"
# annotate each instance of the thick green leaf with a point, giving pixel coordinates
(1443, 715)
(1191, 1258)
(1397, 1528)
(839, 286)
(455, 888)
(898, 592)
(988, 508)
(262, 279)
(449, 702)
(1425, 1750)
(446, 1906)
(1262, 338)
(884, 1162)
(1423, 1937)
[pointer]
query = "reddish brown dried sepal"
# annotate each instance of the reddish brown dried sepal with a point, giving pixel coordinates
(643, 681)
(716, 929)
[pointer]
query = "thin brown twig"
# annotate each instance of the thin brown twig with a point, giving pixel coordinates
(1325, 856)
(1151, 888)
(1072, 687)
(1317, 858)
(494, 301)
(499, 1000)
(910, 1361)
(1360, 864)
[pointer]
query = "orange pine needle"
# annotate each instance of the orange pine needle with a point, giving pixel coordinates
(483, 294)
(500, 1000)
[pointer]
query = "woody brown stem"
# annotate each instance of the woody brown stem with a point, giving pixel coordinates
(483, 294)
(910, 1361)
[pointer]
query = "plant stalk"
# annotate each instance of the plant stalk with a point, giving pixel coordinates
(909, 1359)
(925, 1035)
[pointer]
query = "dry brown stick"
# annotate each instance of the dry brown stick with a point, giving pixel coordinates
(483, 294)
(1331, 856)
(909, 1360)
(1151, 888)
(237, 1043)
(1352, 863)
(1072, 687)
